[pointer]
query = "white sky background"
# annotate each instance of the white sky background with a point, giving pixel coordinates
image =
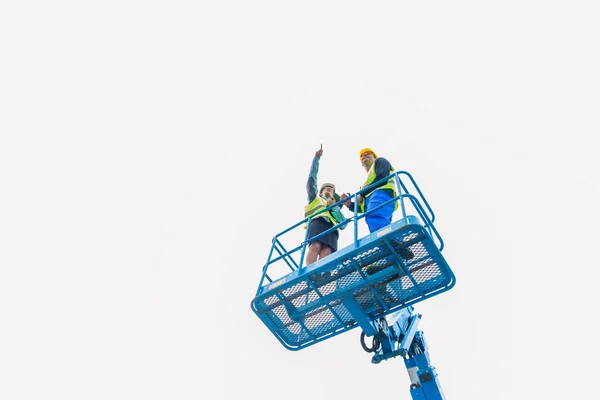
(149, 152)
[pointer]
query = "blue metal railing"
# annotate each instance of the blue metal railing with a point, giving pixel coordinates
(417, 200)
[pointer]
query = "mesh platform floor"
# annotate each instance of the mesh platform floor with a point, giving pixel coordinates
(370, 281)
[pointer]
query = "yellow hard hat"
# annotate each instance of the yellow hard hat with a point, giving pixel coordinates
(365, 150)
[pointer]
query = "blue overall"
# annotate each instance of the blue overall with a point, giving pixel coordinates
(383, 216)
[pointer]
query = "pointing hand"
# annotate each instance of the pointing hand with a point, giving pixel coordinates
(319, 152)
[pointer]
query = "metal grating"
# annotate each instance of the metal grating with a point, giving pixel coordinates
(379, 275)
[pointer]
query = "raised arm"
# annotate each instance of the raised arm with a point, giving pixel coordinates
(311, 183)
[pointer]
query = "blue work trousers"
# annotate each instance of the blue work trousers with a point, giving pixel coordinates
(383, 216)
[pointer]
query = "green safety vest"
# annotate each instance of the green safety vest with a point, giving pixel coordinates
(370, 179)
(312, 210)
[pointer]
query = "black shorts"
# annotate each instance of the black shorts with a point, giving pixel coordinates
(319, 225)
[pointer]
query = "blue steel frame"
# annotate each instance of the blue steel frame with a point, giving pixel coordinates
(396, 334)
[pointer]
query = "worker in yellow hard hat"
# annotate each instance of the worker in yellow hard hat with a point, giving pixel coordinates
(320, 220)
(364, 151)
(377, 168)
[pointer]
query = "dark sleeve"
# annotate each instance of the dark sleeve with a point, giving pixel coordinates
(311, 183)
(383, 168)
(351, 207)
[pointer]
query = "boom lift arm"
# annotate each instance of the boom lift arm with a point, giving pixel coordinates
(399, 335)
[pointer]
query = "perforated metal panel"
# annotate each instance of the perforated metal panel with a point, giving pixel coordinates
(383, 274)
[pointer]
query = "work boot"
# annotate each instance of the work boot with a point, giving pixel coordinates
(377, 266)
(406, 253)
(319, 279)
(389, 299)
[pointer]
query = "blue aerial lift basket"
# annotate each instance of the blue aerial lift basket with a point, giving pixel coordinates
(379, 274)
